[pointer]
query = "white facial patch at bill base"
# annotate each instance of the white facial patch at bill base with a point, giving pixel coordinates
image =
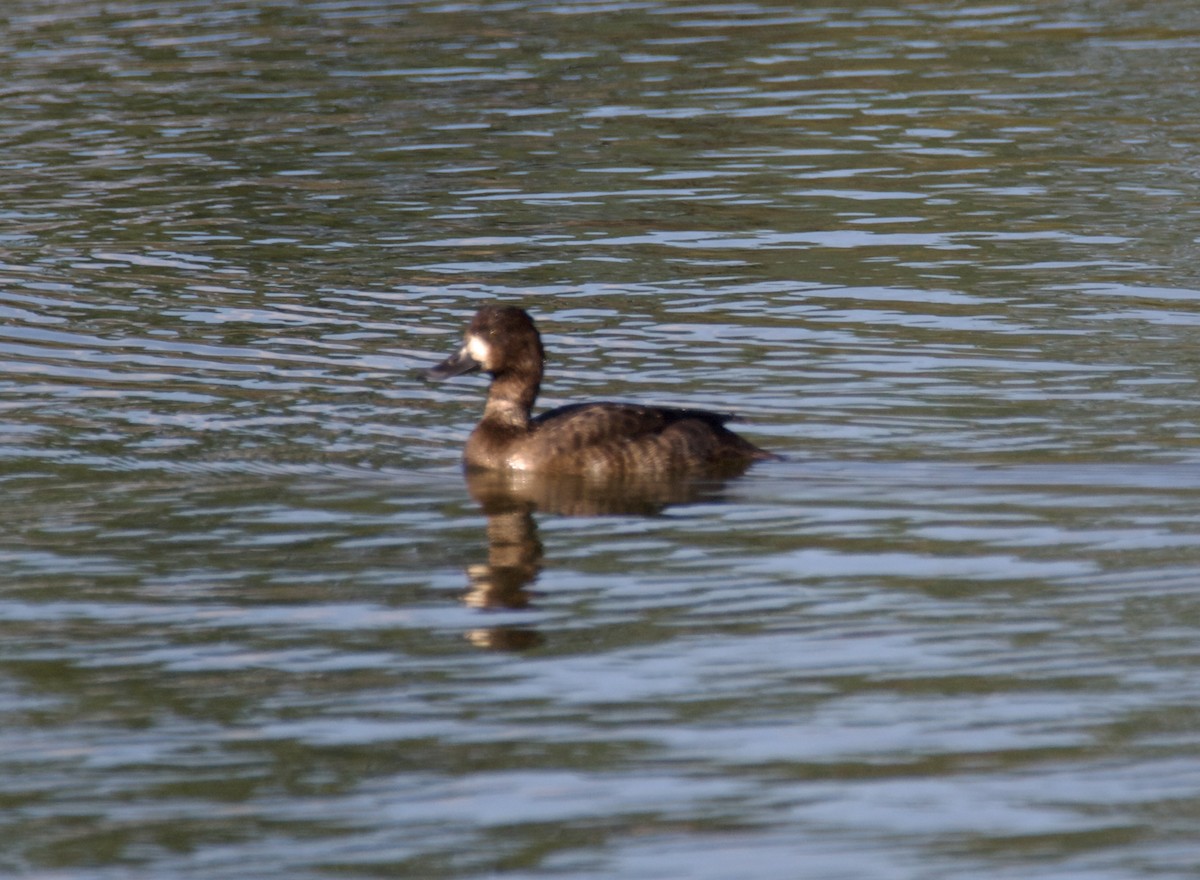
(479, 350)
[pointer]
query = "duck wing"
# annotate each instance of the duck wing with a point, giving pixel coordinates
(603, 439)
(603, 422)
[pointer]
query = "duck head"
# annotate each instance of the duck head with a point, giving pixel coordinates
(499, 340)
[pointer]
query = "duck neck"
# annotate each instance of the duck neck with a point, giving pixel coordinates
(510, 399)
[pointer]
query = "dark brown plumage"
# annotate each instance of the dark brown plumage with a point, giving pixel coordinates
(591, 439)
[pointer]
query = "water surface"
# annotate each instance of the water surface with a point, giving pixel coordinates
(942, 257)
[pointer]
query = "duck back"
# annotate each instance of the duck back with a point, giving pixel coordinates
(605, 439)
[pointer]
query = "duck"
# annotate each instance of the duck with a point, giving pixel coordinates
(601, 439)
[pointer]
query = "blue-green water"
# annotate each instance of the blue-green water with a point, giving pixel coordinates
(941, 256)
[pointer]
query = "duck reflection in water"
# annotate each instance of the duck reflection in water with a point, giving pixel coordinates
(509, 501)
(583, 459)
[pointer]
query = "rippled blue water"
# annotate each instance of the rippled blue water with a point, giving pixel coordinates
(940, 256)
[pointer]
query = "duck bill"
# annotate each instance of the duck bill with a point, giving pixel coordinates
(457, 364)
